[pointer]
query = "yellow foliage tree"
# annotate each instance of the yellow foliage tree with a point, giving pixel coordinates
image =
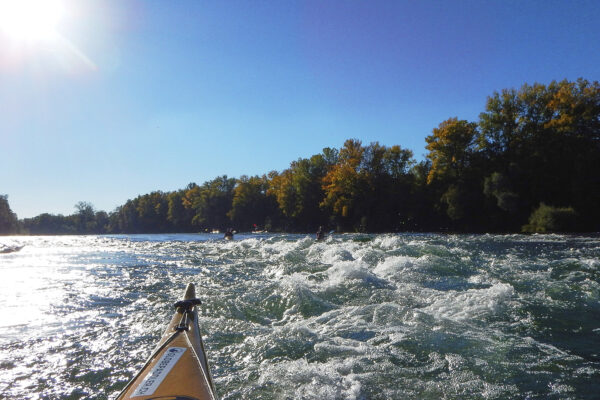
(342, 183)
(449, 148)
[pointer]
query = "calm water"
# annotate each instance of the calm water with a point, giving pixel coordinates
(285, 317)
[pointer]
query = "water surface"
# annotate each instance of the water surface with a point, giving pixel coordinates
(408, 316)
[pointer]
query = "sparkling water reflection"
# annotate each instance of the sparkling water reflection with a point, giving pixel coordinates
(284, 316)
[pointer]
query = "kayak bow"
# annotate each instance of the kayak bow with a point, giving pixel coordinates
(178, 368)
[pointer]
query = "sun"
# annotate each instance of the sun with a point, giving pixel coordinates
(30, 20)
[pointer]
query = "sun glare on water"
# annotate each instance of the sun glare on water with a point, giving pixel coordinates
(30, 20)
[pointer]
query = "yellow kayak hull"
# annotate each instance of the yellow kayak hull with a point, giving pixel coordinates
(178, 368)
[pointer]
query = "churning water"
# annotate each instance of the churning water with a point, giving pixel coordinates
(285, 317)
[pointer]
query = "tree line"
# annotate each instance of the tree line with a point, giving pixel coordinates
(530, 163)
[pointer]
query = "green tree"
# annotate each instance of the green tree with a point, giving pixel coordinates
(144, 214)
(211, 202)
(385, 181)
(498, 186)
(179, 216)
(425, 214)
(49, 224)
(251, 203)
(551, 219)
(85, 217)
(125, 219)
(298, 190)
(8, 219)
(102, 222)
(368, 188)
(544, 140)
(454, 175)
(539, 144)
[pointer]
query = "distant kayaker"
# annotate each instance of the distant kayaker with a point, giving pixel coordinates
(229, 234)
(320, 233)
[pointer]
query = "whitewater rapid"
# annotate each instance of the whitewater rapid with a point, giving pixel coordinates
(410, 316)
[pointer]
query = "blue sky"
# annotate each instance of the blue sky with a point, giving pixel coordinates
(139, 96)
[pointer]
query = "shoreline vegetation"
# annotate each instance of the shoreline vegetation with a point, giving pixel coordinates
(531, 163)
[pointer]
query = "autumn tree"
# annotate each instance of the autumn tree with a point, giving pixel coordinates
(452, 151)
(298, 190)
(281, 186)
(531, 160)
(542, 144)
(368, 188)
(343, 185)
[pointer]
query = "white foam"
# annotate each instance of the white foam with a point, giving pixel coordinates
(471, 304)
(591, 264)
(277, 249)
(394, 266)
(345, 271)
(388, 242)
(334, 254)
(315, 380)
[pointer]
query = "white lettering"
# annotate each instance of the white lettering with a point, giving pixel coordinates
(159, 372)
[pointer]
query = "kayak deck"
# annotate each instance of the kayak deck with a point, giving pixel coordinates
(178, 368)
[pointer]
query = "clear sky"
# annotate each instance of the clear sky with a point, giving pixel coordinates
(102, 101)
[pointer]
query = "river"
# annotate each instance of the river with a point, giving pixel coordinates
(406, 316)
